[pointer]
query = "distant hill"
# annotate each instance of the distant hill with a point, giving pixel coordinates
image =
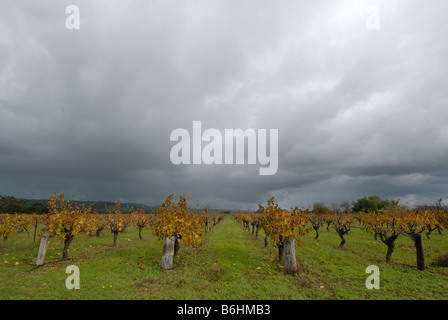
(100, 206)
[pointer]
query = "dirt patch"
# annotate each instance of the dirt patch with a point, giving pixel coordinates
(217, 272)
(145, 282)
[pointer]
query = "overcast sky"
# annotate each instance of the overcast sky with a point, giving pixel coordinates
(360, 111)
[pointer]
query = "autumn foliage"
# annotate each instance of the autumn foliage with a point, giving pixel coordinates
(117, 220)
(280, 223)
(7, 226)
(284, 227)
(390, 223)
(175, 223)
(65, 221)
(176, 220)
(141, 220)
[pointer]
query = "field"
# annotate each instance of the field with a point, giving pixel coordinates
(231, 265)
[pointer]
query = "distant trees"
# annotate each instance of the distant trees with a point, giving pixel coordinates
(320, 208)
(345, 206)
(372, 203)
(9, 204)
(37, 207)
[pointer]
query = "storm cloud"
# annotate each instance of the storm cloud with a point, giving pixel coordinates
(90, 111)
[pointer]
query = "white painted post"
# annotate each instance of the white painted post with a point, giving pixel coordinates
(42, 249)
(168, 253)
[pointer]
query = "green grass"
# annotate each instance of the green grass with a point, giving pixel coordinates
(231, 265)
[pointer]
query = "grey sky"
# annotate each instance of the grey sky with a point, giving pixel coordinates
(90, 111)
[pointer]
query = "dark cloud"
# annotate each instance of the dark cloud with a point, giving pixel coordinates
(90, 111)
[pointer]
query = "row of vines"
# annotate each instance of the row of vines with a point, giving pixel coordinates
(286, 227)
(174, 223)
(171, 222)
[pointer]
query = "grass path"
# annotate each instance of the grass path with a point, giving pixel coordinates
(236, 266)
(231, 265)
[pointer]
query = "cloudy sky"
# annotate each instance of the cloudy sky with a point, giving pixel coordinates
(359, 110)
